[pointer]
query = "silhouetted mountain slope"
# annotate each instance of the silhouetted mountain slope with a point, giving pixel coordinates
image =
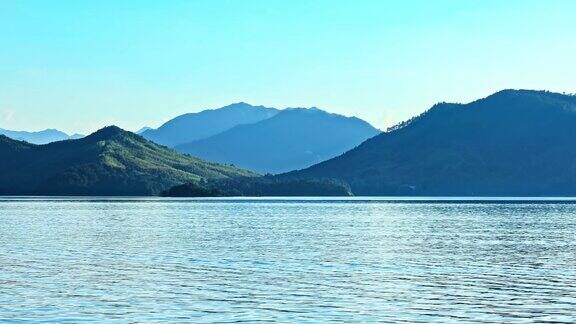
(41, 137)
(515, 142)
(190, 127)
(293, 139)
(110, 161)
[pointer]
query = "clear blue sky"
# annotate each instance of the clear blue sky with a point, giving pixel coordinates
(81, 65)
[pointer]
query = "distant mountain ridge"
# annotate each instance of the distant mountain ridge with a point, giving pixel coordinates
(293, 138)
(194, 126)
(143, 129)
(110, 161)
(512, 143)
(40, 137)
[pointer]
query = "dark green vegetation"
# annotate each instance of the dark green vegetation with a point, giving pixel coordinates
(260, 186)
(41, 137)
(190, 127)
(108, 162)
(292, 139)
(512, 143)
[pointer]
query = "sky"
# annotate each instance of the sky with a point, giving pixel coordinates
(80, 65)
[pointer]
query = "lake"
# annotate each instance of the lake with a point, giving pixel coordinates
(291, 260)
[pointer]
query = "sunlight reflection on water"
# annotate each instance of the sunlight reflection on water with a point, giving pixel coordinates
(357, 260)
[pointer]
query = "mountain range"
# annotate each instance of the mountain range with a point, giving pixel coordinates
(291, 139)
(40, 137)
(512, 143)
(262, 139)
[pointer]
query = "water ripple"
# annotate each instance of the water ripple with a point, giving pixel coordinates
(102, 260)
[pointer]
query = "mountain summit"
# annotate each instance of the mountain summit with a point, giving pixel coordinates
(512, 143)
(294, 138)
(194, 126)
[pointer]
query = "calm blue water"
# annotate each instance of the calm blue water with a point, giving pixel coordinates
(267, 260)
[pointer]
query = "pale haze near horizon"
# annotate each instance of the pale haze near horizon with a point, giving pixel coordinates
(78, 66)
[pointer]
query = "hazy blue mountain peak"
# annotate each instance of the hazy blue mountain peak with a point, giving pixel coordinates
(38, 137)
(291, 139)
(240, 105)
(194, 126)
(143, 129)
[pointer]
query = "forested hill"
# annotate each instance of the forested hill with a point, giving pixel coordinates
(512, 143)
(110, 161)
